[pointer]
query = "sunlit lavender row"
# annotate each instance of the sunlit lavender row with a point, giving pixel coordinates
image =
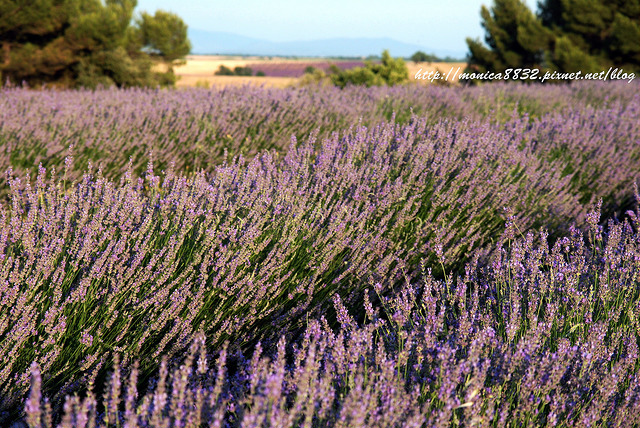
(543, 336)
(198, 129)
(122, 246)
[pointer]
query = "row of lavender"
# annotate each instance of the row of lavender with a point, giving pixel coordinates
(197, 128)
(138, 267)
(545, 336)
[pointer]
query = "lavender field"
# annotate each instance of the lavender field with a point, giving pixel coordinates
(414, 256)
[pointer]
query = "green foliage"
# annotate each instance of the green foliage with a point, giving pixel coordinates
(515, 38)
(389, 71)
(223, 70)
(423, 57)
(165, 35)
(87, 43)
(243, 71)
(565, 36)
(313, 77)
(569, 57)
(607, 32)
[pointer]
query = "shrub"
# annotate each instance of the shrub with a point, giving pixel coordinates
(243, 71)
(389, 72)
(223, 70)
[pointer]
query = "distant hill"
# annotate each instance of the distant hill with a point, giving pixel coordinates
(221, 43)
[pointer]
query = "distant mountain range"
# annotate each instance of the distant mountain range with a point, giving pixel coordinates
(221, 43)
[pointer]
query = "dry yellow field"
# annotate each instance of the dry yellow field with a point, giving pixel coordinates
(199, 71)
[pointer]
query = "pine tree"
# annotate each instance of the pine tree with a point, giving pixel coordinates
(76, 43)
(516, 38)
(565, 36)
(606, 33)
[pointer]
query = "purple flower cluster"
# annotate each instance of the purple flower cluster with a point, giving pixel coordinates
(546, 336)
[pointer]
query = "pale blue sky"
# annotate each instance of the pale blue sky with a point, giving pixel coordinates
(440, 24)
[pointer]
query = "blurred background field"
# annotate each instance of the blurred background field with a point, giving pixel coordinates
(279, 72)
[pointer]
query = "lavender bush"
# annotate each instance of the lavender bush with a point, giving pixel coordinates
(541, 337)
(105, 268)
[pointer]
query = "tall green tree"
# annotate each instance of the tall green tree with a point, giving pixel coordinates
(77, 43)
(565, 36)
(514, 36)
(598, 32)
(32, 35)
(164, 35)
